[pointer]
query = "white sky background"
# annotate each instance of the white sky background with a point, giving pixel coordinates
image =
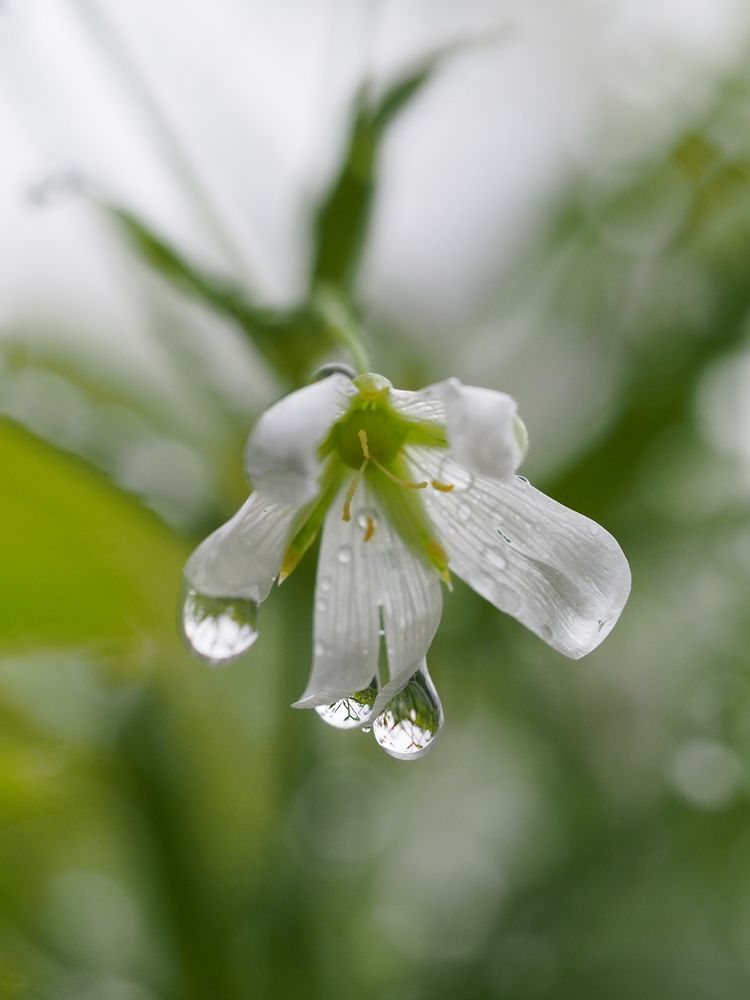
(255, 94)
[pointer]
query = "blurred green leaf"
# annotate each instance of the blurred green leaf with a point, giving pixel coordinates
(290, 340)
(82, 562)
(343, 217)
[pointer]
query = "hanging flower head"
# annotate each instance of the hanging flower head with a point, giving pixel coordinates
(407, 488)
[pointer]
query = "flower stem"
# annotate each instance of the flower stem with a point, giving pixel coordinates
(342, 325)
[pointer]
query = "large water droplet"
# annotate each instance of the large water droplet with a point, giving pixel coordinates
(411, 720)
(219, 629)
(351, 712)
(454, 475)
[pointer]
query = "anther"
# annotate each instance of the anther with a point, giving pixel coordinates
(442, 487)
(369, 529)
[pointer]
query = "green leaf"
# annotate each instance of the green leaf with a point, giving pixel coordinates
(290, 340)
(83, 563)
(342, 220)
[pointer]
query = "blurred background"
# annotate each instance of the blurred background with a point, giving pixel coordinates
(549, 197)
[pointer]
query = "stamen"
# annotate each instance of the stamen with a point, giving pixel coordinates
(395, 479)
(347, 515)
(369, 530)
(442, 487)
(362, 435)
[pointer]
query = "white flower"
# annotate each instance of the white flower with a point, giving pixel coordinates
(406, 488)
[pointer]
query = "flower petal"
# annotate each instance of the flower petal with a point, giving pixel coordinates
(243, 556)
(485, 433)
(560, 574)
(359, 585)
(282, 458)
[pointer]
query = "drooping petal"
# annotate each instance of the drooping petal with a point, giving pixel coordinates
(282, 457)
(243, 556)
(559, 573)
(367, 576)
(483, 428)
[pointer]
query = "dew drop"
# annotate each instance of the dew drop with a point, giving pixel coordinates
(495, 559)
(464, 512)
(524, 480)
(455, 475)
(333, 369)
(219, 629)
(545, 633)
(344, 555)
(412, 719)
(324, 584)
(351, 712)
(319, 648)
(321, 606)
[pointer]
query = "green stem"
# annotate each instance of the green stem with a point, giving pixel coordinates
(342, 325)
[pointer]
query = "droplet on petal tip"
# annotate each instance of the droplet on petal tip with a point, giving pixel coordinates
(218, 630)
(352, 712)
(411, 721)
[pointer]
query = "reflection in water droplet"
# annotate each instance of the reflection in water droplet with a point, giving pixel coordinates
(495, 559)
(344, 555)
(333, 369)
(219, 629)
(351, 712)
(455, 475)
(412, 719)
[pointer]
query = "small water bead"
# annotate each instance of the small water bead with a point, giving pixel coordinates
(219, 629)
(464, 512)
(344, 555)
(454, 475)
(351, 712)
(319, 648)
(333, 369)
(324, 584)
(412, 719)
(495, 559)
(524, 480)
(321, 606)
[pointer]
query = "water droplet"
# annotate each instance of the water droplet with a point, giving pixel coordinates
(333, 369)
(351, 712)
(324, 584)
(455, 475)
(524, 480)
(219, 629)
(495, 559)
(344, 555)
(319, 648)
(545, 632)
(464, 512)
(412, 719)
(321, 606)
(366, 519)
